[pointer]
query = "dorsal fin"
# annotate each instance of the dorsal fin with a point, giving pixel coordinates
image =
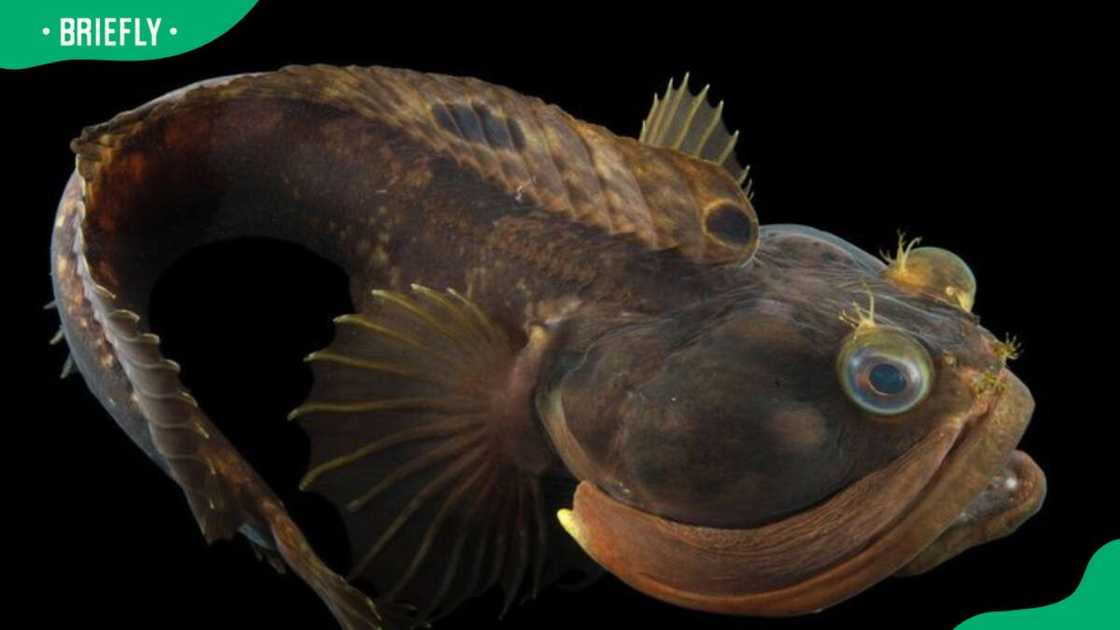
(411, 417)
(688, 123)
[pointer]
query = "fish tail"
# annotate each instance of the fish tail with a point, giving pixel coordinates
(130, 209)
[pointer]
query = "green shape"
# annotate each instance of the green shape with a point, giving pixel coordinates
(1095, 603)
(35, 32)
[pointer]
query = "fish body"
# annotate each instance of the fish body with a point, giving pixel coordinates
(743, 419)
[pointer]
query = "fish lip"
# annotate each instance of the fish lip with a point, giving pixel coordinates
(1012, 497)
(1012, 494)
(919, 496)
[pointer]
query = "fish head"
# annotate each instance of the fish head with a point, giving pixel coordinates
(825, 421)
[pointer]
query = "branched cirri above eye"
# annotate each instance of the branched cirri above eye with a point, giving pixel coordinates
(932, 271)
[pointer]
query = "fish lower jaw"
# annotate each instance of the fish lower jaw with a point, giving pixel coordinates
(1013, 495)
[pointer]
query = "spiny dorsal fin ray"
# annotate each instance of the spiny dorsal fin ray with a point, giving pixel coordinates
(688, 123)
(402, 430)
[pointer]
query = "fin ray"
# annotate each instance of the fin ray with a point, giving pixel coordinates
(542, 539)
(430, 488)
(450, 501)
(688, 123)
(445, 451)
(520, 558)
(428, 431)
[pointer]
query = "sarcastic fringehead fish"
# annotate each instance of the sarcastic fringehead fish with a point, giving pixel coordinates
(567, 345)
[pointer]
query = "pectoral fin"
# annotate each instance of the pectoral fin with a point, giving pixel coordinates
(404, 419)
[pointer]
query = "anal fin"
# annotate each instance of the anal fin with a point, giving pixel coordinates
(411, 418)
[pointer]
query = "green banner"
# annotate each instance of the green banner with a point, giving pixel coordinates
(35, 32)
(1093, 606)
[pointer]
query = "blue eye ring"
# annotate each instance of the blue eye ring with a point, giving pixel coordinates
(884, 371)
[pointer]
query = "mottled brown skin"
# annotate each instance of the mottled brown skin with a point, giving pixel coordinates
(665, 351)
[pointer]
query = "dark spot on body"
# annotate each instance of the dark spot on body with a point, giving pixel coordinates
(469, 125)
(496, 132)
(799, 318)
(516, 134)
(729, 224)
(478, 123)
(444, 119)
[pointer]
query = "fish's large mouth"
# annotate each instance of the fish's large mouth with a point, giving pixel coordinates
(1012, 496)
(962, 485)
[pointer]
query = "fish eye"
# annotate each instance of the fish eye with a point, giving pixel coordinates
(729, 224)
(883, 371)
(937, 272)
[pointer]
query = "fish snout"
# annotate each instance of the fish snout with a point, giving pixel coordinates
(1012, 495)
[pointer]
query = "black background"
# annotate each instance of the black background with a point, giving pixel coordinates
(954, 130)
